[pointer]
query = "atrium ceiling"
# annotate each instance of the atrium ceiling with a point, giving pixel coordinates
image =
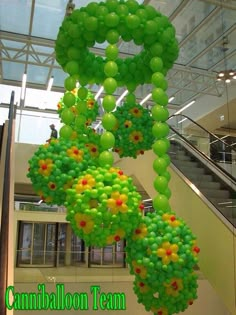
(205, 29)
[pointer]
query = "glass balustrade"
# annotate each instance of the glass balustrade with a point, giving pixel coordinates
(207, 161)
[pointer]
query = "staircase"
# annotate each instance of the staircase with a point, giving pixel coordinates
(220, 194)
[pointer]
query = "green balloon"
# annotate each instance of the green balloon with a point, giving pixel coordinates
(70, 83)
(160, 130)
(160, 147)
(72, 67)
(156, 50)
(159, 96)
(130, 99)
(111, 5)
(112, 36)
(69, 99)
(110, 85)
(122, 10)
(67, 116)
(160, 202)
(156, 64)
(158, 79)
(132, 5)
(80, 121)
(160, 113)
(91, 23)
(111, 19)
(112, 52)
(82, 92)
(160, 165)
(107, 140)
(109, 103)
(109, 121)
(111, 69)
(132, 21)
(65, 132)
(82, 106)
(160, 184)
(106, 158)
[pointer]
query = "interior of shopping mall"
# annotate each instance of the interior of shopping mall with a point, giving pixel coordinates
(127, 106)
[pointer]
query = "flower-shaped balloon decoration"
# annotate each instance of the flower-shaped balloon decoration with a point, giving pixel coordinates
(54, 166)
(77, 108)
(133, 130)
(103, 206)
(162, 253)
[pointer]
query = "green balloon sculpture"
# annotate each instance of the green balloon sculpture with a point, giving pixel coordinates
(133, 130)
(103, 205)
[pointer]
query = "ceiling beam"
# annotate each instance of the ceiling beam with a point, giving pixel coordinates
(221, 4)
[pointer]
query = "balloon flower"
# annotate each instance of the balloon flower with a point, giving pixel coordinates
(162, 253)
(54, 166)
(77, 108)
(133, 130)
(103, 206)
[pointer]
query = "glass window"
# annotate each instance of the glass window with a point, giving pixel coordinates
(15, 16)
(209, 33)
(33, 127)
(5, 94)
(190, 17)
(166, 7)
(12, 70)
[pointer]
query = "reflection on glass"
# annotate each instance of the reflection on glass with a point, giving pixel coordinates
(38, 244)
(50, 244)
(216, 54)
(166, 7)
(190, 17)
(210, 32)
(15, 16)
(25, 235)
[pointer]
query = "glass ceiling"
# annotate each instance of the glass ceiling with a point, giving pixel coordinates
(28, 30)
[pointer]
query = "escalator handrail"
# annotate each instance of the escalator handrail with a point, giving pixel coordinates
(207, 131)
(232, 178)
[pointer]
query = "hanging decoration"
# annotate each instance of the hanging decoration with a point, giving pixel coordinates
(103, 205)
(133, 130)
(78, 107)
(55, 165)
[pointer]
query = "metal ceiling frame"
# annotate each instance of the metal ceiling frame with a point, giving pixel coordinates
(190, 79)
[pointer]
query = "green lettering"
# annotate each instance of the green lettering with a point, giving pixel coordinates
(83, 301)
(60, 296)
(95, 289)
(9, 290)
(33, 302)
(119, 301)
(103, 301)
(24, 301)
(68, 301)
(52, 303)
(44, 297)
(17, 305)
(76, 301)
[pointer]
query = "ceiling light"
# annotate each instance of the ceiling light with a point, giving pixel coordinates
(121, 97)
(179, 122)
(226, 75)
(99, 93)
(186, 106)
(23, 88)
(145, 99)
(50, 83)
(171, 99)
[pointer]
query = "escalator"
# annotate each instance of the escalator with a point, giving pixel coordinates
(212, 177)
(203, 194)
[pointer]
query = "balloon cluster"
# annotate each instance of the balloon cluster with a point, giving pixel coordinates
(103, 206)
(77, 108)
(113, 21)
(54, 166)
(162, 254)
(133, 131)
